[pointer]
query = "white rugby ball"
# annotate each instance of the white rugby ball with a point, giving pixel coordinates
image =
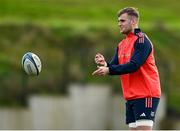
(31, 63)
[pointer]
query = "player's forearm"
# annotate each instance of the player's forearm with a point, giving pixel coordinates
(123, 68)
(114, 60)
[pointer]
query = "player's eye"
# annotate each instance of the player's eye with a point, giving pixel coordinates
(122, 20)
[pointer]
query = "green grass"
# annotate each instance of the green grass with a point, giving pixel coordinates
(78, 13)
(68, 21)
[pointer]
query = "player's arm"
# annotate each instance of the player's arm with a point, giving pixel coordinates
(104, 68)
(100, 60)
(141, 53)
(114, 60)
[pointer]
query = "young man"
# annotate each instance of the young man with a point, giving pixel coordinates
(134, 62)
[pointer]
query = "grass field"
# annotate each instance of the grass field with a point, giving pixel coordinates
(160, 18)
(79, 13)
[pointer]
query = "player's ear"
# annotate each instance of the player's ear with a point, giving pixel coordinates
(136, 20)
(133, 21)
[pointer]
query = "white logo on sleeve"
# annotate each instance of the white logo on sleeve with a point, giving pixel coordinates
(142, 115)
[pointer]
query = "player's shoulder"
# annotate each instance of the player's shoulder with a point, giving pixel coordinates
(142, 37)
(138, 32)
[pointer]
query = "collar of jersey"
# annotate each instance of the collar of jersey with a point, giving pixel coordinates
(136, 30)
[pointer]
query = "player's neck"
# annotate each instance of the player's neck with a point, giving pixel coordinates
(135, 27)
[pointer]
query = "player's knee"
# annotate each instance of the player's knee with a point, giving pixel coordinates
(148, 128)
(132, 126)
(141, 125)
(148, 123)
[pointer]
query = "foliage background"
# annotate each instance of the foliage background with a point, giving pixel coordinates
(67, 33)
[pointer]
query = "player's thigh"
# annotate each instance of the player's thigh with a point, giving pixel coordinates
(145, 110)
(130, 117)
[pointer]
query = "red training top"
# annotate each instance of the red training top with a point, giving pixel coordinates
(144, 82)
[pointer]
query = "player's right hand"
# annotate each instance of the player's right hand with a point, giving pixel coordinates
(100, 60)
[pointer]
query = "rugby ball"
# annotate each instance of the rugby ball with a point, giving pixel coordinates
(31, 64)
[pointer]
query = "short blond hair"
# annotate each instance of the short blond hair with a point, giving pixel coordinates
(131, 11)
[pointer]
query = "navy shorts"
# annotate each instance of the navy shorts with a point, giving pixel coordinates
(141, 109)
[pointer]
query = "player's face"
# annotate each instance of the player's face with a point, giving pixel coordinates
(125, 23)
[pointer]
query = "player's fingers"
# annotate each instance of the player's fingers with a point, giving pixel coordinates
(101, 73)
(96, 72)
(98, 66)
(99, 61)
(96, 59)
(98, 55)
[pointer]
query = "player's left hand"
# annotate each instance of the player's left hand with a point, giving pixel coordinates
(101, 71)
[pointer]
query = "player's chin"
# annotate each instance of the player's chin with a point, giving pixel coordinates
(122, 32)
